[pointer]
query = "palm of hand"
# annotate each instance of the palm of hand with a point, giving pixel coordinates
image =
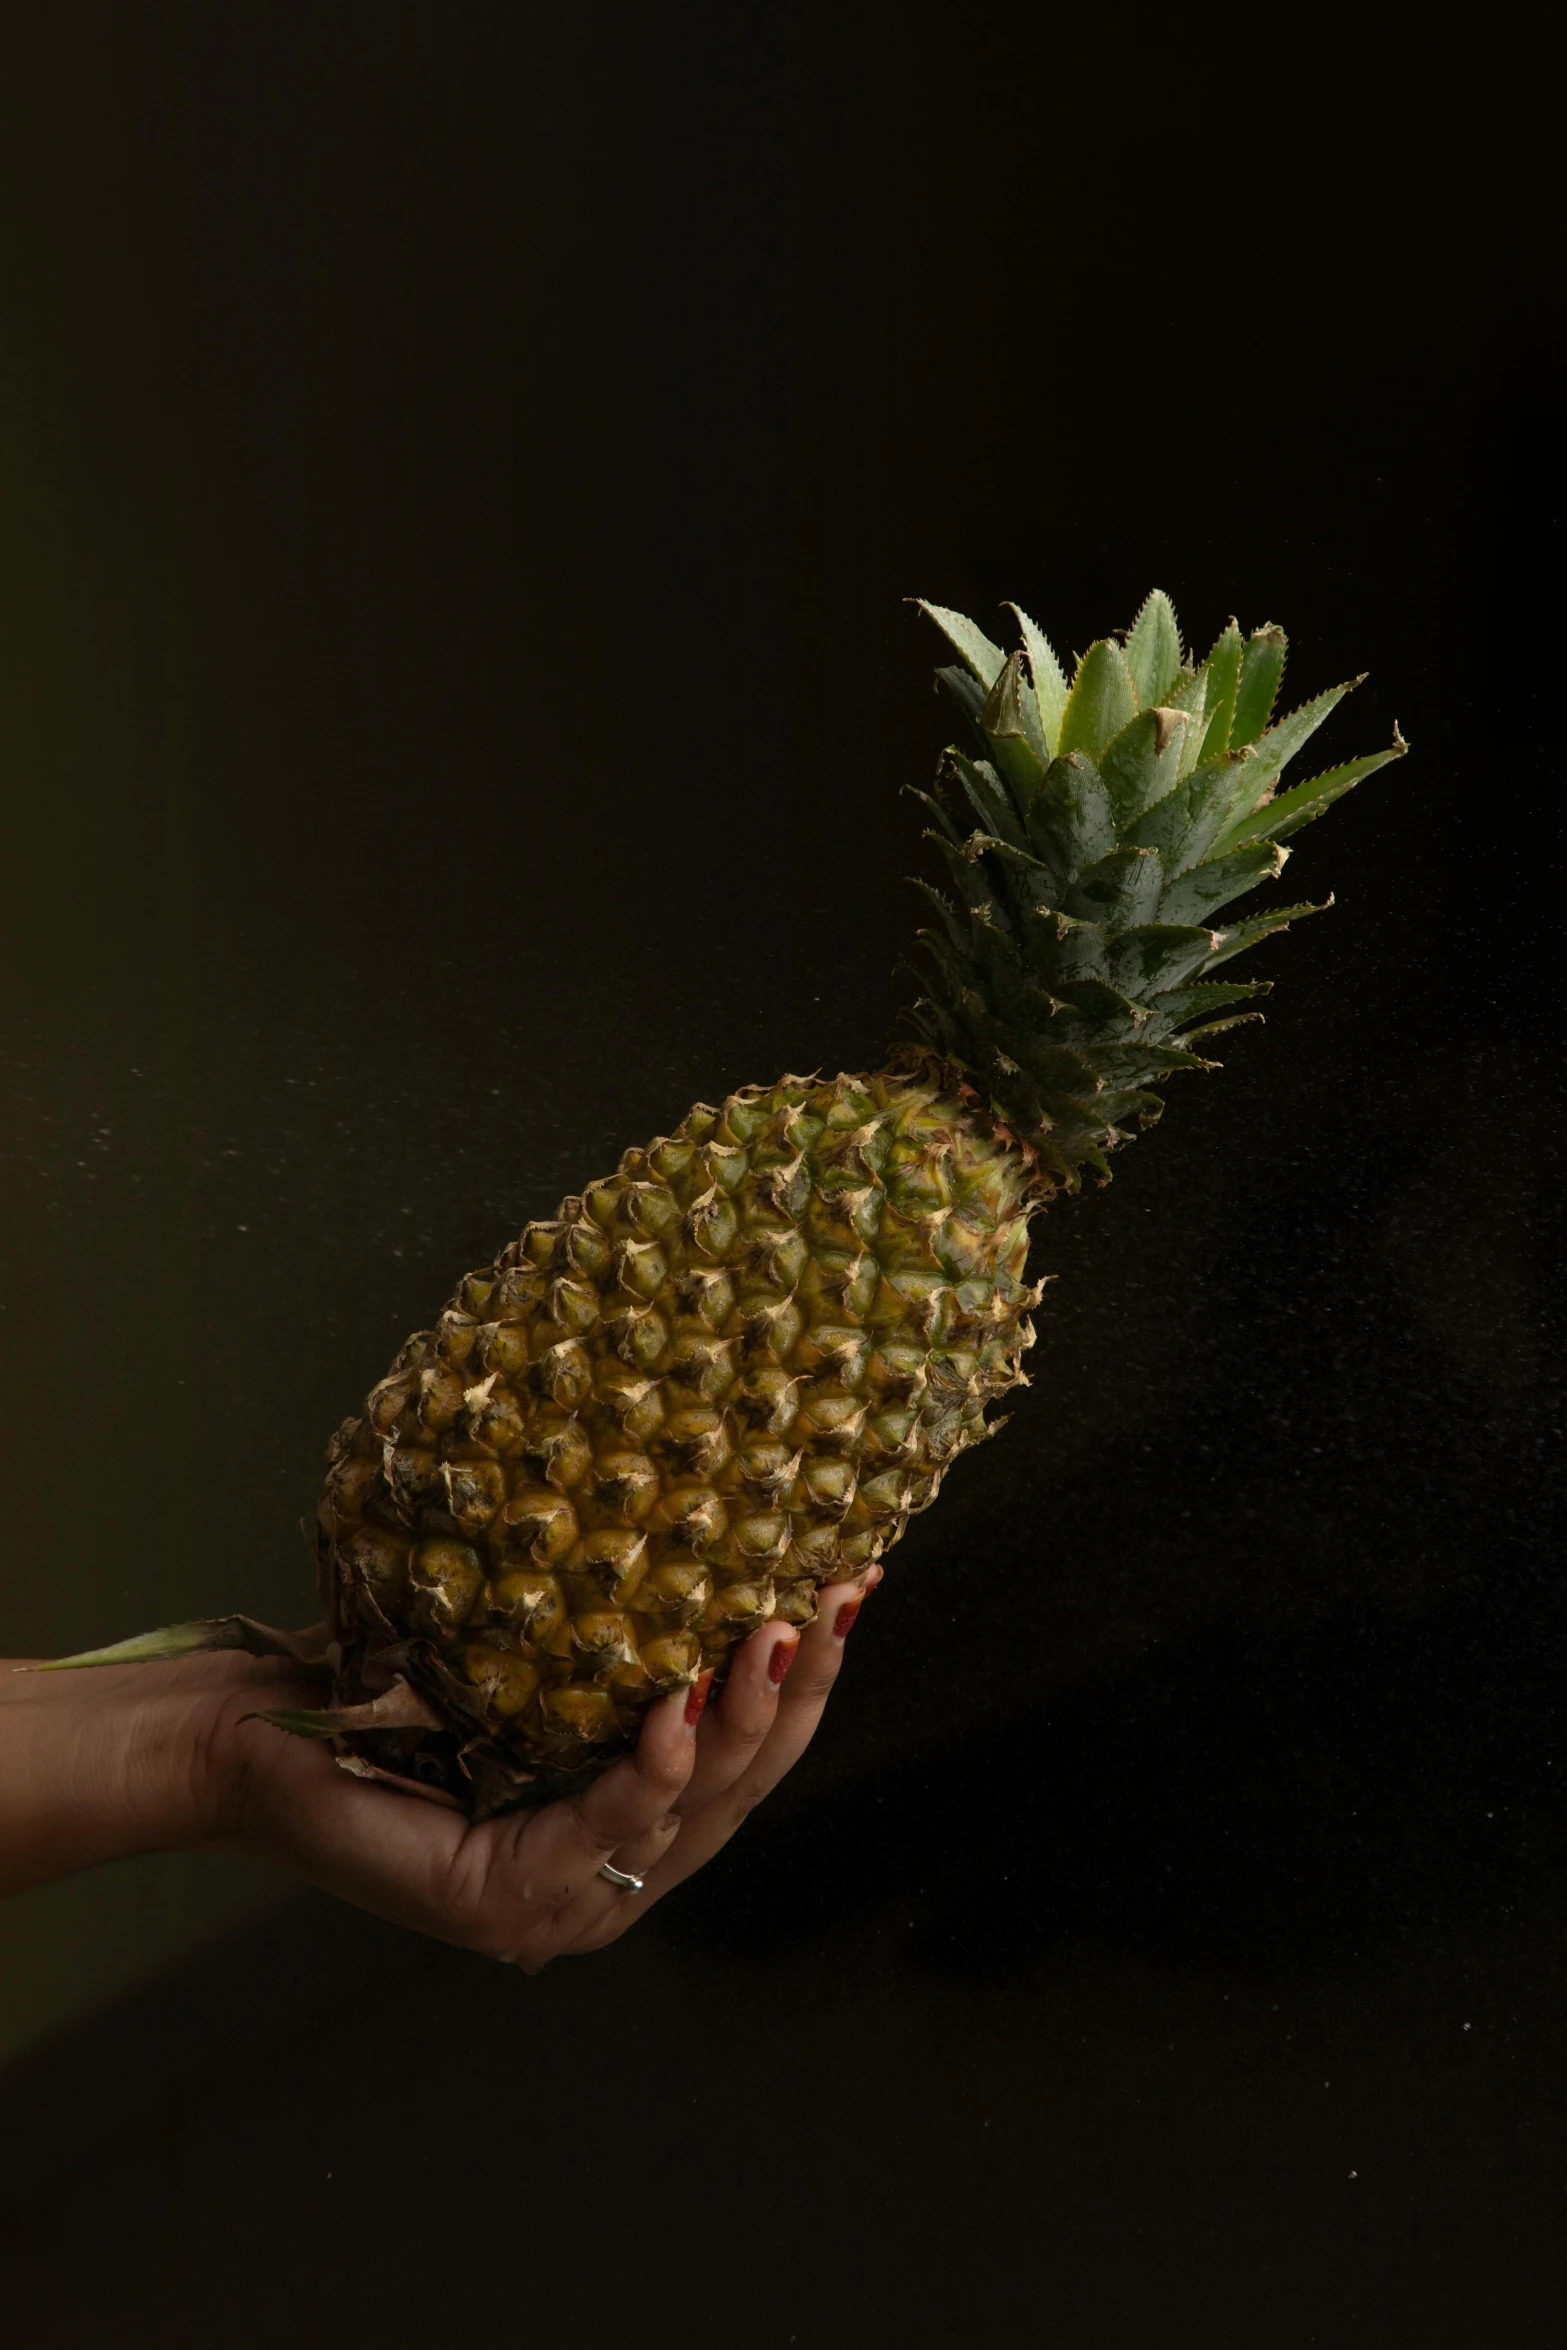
(525, 1887)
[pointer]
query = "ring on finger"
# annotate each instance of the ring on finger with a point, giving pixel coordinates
(625, 1879)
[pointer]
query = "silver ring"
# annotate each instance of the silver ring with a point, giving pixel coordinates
(623, 1878)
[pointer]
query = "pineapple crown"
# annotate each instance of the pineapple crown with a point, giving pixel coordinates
(1116, 815)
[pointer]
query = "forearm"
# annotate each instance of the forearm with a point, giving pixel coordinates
(98, 1763)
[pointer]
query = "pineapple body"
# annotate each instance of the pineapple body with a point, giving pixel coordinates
(719, 1378)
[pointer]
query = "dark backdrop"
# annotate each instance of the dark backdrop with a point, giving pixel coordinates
(461, 467)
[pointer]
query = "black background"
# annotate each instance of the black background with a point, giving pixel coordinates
(462, 467)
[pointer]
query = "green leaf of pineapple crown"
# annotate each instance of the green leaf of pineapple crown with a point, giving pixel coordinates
(1115, 816)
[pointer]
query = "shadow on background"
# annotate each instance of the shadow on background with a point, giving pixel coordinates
(461, 474)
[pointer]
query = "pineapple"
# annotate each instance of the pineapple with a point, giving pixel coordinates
(734, 1369)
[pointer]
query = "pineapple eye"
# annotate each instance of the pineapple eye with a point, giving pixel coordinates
(440, 1399)
(763, 1535)
(508, 1682)
(635, 1405)
(411, 1475)
(706, 1295)
(724, 1165)
(771, 1329)
(696, 1513)
(702, 1366)
(377, 1557)
(573, 1306)
(743, 1116)
(454, 1335)
(504, 1348)
(447, 1580)
(539, 1522)
(897, 1369)
(782, 1190)
(515, 1295)
(475, 1491)
(830, 1484)
(841, 1284)
(603, 1637)
(606, 1566)
(349, 1487)
(882, 1496)
(837, 1352)
(560, 1452)
(626, 1483)
(670, 1158)
(919, 1189)
(647, 1208)
(679, 1588)
(385, 1403)
(564, 1374)
(766, 1401)
(640, 1268)
(774, 1259)
(579, 1715)
(890, 1431)
(638, 1336)
(817, 1548)
(601, 1200)
(767, 1469)
(671, 1659)
(696, 1442)
(739, 1607)
(531, 1601)
(832, 1419)
(585, 1250)
(710, 1225)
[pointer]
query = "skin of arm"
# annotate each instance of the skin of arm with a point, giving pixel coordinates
(112, 1760)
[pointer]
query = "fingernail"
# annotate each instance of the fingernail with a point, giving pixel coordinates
(781, 1659)
(696, 1697)
(843, 1621)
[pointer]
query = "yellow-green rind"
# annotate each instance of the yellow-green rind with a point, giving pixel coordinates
(719, 1378)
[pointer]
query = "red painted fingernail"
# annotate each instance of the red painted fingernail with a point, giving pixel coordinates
(781, 1659)
(696, 1697)
(843, 1621)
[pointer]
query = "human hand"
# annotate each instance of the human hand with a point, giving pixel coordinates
(173, 1754)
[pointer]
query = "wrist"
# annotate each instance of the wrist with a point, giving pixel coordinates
(108, 1761)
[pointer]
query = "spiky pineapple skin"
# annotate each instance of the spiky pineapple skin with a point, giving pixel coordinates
(718, 1379)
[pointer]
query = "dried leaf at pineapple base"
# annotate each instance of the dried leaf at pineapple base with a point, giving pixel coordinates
(357, 1768)
(398, 1708)
(312, 1647)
